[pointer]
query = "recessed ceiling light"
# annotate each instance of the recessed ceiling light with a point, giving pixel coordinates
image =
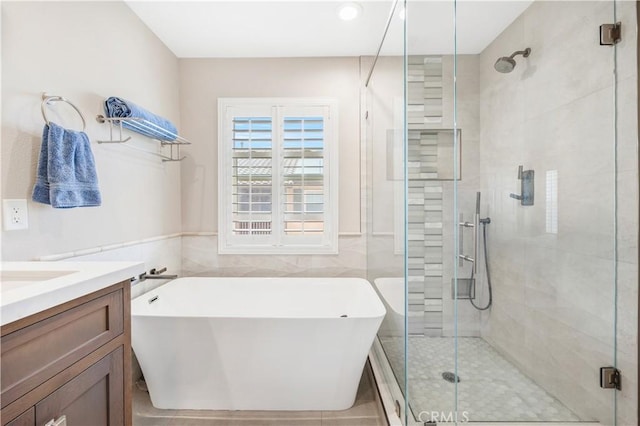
(349, 11)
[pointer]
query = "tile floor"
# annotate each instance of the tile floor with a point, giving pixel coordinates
(367, 411)
(490, 388)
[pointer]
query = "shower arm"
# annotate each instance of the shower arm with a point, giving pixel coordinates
(525, 53)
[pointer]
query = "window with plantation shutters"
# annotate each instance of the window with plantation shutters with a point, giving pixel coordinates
(251, 175)
(277, 176)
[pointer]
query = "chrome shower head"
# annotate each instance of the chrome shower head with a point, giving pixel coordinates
(506, 64)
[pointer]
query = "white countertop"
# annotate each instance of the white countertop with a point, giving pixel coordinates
(30, 287)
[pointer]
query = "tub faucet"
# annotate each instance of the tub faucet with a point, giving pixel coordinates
(156, 274)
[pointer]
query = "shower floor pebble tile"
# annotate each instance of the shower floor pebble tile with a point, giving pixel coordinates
(490, 387)
(367, 411)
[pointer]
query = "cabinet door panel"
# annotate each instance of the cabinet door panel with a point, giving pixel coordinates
(93, 398)
(38, 352)
(28, 418)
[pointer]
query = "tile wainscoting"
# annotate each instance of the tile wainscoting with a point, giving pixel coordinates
(200, 257)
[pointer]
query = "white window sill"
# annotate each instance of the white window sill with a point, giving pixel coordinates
(270, 250)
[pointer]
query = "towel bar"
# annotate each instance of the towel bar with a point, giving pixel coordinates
(116, 122)
(46, 99)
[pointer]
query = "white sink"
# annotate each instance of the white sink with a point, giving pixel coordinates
(32, 275)
(10, 280)
(30, 287)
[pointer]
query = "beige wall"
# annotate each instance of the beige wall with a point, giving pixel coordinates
(85, 51)
(554, 298)
(203, 81)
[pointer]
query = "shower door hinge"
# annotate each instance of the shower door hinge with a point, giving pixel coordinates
(610, 378)
(610, 34)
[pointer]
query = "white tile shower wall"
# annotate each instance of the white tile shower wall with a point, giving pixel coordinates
(468, 121)
(200, 258)
(553, 292)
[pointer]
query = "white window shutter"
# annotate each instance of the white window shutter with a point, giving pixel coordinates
(278, 181)
(252, 175)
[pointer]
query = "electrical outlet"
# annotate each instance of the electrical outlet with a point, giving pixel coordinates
(15, 215)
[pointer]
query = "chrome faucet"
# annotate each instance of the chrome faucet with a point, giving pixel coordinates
(156, 274)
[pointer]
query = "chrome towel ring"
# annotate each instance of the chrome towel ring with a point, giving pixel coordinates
(47, 100)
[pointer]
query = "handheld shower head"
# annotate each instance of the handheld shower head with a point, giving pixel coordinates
(506, 64)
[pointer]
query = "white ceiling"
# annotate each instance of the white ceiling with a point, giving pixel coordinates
(311, 28)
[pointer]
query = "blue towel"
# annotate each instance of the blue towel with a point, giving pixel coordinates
(118, 107)
(66, 170)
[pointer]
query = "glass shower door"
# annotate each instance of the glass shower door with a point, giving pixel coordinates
(384, 127)
(515, 160)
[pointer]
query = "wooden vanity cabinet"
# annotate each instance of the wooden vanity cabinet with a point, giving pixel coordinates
(28, 418)
(72, 360)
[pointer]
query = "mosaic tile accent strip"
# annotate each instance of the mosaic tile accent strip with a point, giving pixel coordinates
(424, 196)
(424, 91)
(491, 389)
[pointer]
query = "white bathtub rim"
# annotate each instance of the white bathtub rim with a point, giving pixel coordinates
(378, 309)
(397, 306)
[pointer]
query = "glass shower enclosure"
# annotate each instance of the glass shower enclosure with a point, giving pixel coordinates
(499, 139)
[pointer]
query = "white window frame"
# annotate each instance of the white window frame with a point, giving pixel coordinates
(278, 242)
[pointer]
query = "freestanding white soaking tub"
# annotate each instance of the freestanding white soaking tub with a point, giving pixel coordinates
(255, 343)
(391, 291)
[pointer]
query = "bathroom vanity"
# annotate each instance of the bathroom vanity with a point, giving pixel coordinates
(66, 343)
